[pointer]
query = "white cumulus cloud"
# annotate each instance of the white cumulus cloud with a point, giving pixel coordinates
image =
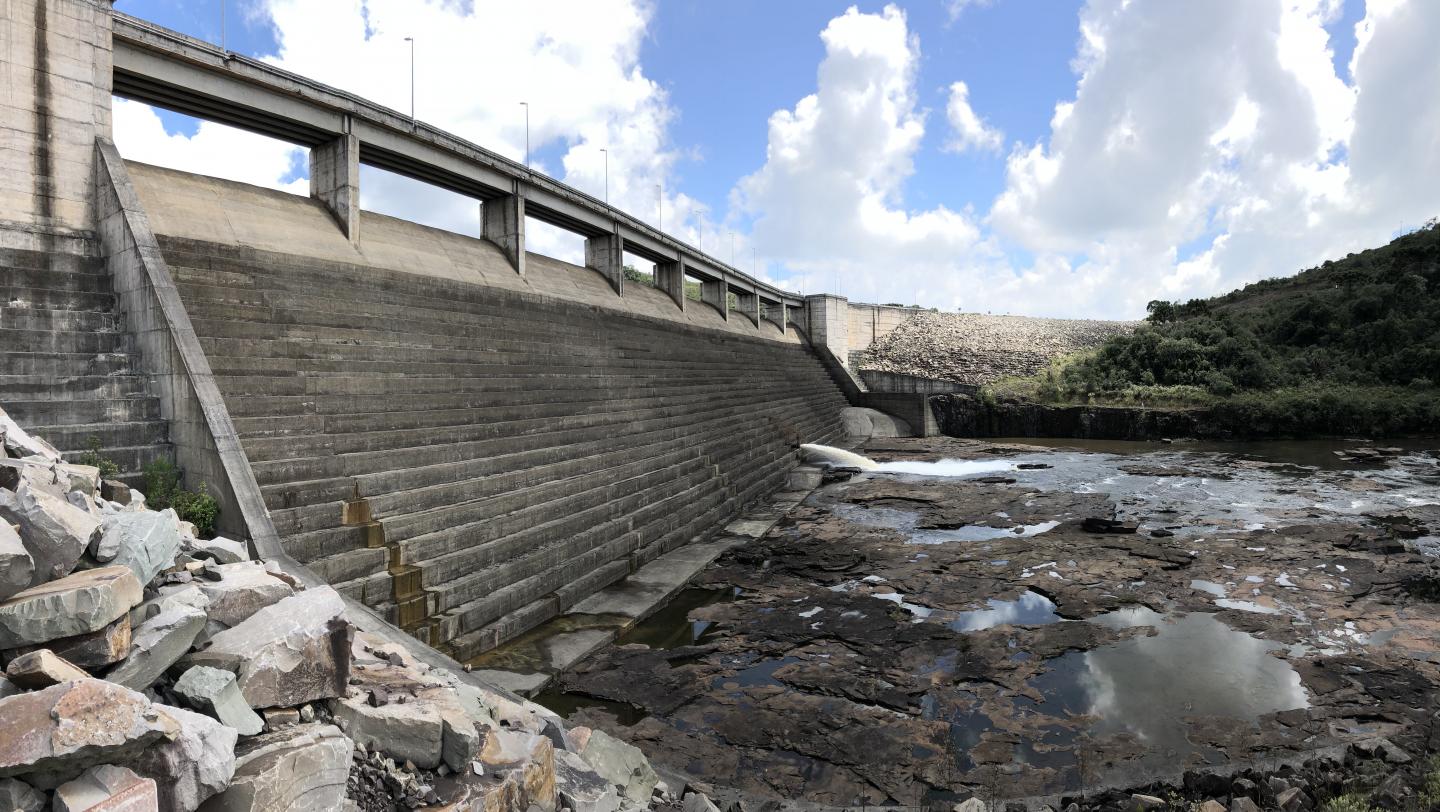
(970, 130)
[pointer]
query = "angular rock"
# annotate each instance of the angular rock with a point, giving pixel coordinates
(17, 567)
(145, 542)
(622, 764)
(55, 532)
(1243, 803)
(57, 732)
(16, 442)
(1293, 799)
(8, 688)
(971, 805)
(285, 655)
(1211, 805)
(198, 763)
(106, 788)
(411, 732)
(582, 789)
(41, 669)
(277, 718)
(220, 550)
(299, 768)
(18, 795)
(214, 692)
(244, 589)
(157, 644)
(113, 490)
(94, 650)
(170, 596)
(76, 604)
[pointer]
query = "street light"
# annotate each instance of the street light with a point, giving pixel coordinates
(526, 105)
(607, 175)
(660, 208)
(411, 40)
(222, 26)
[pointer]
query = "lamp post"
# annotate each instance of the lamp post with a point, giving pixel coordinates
(526, 105)
(411, 40)
(607, 175)
(660, 208)
(222, 26)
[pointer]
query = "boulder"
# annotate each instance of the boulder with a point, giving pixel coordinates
(410, 732)
(146, 542)
(198, 763)
(18, 795)
(157, 644)
(106, 788)
(76, 604)
(1211, 805)
(16, 442)
(300, 769)
(244, 588)
(293, 652)
(17, 567)
(1293, 799)
(8, 688)
(213, 691)
(170, 596)
(1242, 803)
(581, 788)
(621, 764)
(41, 669)
(58, 732)
(696, 802)
(94, 650)
(220, 550)
(55, 532)
(113, 490)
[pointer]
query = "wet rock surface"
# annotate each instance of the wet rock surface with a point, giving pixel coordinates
(924, 634)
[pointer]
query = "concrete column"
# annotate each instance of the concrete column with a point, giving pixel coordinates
(828, 319)
(713, 293)
(749, 304)
(670, 277)
(796, 316)
(335, 181)
(606, 254)
(502, 221)
(55, 62)
(775, 313)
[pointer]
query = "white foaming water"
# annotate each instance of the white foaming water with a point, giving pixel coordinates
(829, 455)
(946, 467)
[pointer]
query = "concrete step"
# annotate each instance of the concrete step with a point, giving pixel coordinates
(131, 459)
(63, 365)
(69, 321)
(61, 342)
(96, 409)
(110, 434)
(49, 387)
(61, 280)
(13, 259)
(45, 299)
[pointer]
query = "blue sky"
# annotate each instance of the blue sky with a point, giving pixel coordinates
(1203, 145)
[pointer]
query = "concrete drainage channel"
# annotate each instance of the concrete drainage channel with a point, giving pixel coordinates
(531, 662)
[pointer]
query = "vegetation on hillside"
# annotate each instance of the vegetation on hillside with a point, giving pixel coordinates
(1350, 346)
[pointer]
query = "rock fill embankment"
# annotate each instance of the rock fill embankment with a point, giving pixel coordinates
(146, 668)
(977, 349)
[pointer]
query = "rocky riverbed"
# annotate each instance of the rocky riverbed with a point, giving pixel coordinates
(1164, 626)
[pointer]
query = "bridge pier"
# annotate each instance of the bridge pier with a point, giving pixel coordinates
(670, 277)
(502, 221)
(335, 181)
(749, 304)
(775, 313)
(606, 253)
(714, 293)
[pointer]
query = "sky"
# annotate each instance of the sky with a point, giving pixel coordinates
(1073, 158)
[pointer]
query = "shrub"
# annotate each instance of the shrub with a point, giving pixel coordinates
(163, 490)
(92, 457)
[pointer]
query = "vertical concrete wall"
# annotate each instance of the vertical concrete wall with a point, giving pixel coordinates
(828, 319)
(335, 181)
(55, 78)
(868, 322)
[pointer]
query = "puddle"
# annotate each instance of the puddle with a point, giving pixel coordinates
(1030, 609)
(672, 627)
(567, 704)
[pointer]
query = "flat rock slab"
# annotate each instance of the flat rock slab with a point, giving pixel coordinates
(76, 604)
(302, 769)
(244, 588)
(157, 644)
(94, 650)
(288, 654)
(621, 764)
(55, 532)
(58, 732)
(106, 788)
(219, 549)
(213, 691)
(41, 669)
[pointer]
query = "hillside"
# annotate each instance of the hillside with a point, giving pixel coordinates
(1350, 346)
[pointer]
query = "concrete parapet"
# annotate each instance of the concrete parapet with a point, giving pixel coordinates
(335, 181)
(502, 221)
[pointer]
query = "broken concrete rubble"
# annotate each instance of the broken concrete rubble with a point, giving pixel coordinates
(76, 604)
